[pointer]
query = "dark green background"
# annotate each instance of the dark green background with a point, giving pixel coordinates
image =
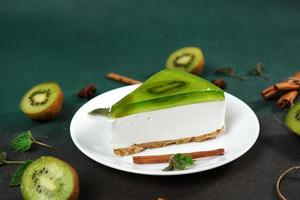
(77, 42)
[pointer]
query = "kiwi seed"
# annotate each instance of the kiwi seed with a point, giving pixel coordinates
(39, 97)
(184, 60)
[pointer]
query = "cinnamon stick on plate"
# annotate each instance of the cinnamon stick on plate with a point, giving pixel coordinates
(166, 157)
(123, 79)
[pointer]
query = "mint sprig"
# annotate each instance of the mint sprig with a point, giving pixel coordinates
(179, 162)
(3, 159)
(24, 141)
(16, 178)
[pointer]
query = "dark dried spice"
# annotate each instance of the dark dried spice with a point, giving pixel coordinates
(258, 71)
(220, 83)
(229, 71)
(87, 92)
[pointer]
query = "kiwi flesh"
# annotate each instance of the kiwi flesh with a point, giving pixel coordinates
(292, 119)
(49, 178)
(43, 101)
(166, 86)
(189, 59)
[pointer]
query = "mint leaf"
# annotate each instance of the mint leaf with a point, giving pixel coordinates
(16, 178)
(22, 142)
(179, 162)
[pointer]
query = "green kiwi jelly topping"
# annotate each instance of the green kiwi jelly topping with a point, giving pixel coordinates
(39, 97)
(165, 89)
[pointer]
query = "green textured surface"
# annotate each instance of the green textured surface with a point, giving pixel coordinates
(79, 42)
(165, 89)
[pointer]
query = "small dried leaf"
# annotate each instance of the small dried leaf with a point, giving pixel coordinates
(229, 71)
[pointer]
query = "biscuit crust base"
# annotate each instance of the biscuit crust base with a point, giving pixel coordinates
(136, 148)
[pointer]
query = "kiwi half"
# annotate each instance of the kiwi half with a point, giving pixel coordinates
(49, 178)
(189, 59)
(292, 119)
(43, 101)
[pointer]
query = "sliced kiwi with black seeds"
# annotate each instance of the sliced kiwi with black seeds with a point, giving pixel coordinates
(49, 178)
(166, 87)
(292, 119)
(189, 59)
(43, 101)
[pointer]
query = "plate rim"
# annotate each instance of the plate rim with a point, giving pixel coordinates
(161, 173)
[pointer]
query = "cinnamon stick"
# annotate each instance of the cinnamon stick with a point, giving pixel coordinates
(123, 79)
(166, 157)
(269, 92)
(286, 86)
(287, 99)
(292, 83)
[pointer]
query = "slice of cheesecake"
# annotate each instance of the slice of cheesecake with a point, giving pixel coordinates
(171, 107)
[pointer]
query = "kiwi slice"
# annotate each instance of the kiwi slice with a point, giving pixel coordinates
(292, 119)
(43, 101)
(163, 87)
(49, 178)
(189, 59)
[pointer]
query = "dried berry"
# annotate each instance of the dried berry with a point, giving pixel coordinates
(87, 92)
(220, 83)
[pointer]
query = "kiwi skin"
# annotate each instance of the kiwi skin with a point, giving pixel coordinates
(75, 192)
(199, 68)
(74, 196)
(51, 112)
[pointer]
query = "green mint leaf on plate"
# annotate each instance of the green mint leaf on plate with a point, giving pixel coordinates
(16, 178)
(179, 162)
(24, 141)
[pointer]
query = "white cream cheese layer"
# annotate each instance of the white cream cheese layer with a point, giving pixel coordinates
(168, 124)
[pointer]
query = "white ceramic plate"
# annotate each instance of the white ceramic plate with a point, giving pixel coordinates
(91, 134)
